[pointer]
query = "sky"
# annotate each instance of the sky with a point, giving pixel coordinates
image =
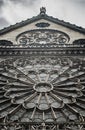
(13, 11)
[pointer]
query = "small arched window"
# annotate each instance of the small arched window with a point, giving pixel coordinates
(5, 43)
(79, 41)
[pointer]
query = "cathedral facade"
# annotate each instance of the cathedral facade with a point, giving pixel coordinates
(42, 75)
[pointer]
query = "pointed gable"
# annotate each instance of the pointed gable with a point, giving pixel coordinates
(39, 22)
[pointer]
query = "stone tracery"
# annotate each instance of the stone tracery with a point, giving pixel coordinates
(62, 98)
(42, 78)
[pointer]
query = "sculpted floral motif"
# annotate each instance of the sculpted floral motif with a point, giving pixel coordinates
(43, 37)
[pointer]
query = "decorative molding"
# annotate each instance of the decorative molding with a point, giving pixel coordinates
(42, 36)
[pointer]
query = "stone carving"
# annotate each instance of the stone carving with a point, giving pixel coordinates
(40, 89)
(43, 37)
(43, 11)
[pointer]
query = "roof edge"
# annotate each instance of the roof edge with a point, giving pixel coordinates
(42, 15)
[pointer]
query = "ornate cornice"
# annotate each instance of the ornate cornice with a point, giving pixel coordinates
(57, 50)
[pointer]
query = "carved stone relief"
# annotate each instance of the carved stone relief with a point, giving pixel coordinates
(43, 37)
(40, 89)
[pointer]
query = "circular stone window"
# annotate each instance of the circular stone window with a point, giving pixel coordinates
(43, 87)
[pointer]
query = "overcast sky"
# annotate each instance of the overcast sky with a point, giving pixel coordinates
(13, 11)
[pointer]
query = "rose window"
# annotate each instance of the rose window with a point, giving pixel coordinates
(42, 90)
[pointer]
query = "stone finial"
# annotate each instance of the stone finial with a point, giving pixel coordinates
(42, 10)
